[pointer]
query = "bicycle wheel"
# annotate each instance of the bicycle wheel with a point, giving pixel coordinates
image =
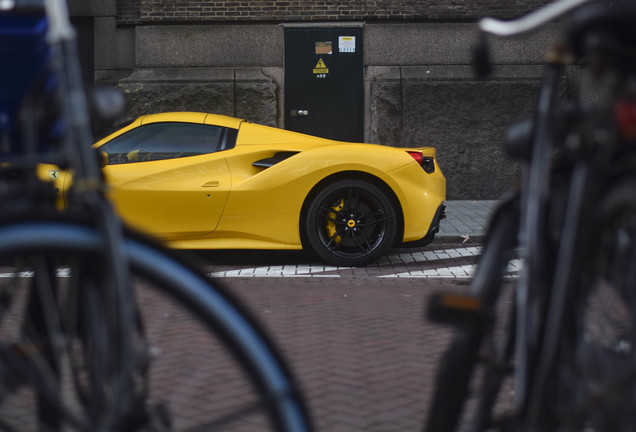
(597, 361)
(473, 369)
(195, 360)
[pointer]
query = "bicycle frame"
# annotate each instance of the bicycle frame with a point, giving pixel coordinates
(572, 156)
(93, 323)
(544, 287)
(534, 202)
(75, 152)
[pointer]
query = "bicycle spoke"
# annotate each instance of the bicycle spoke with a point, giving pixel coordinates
(28, 355)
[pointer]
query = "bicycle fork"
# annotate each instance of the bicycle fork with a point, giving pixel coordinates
(530, 291)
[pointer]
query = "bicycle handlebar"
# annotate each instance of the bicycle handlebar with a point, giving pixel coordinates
(22, 6)
(60, 27)
(60, 24)
(531, 21)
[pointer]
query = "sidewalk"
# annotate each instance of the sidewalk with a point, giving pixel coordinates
(466, 220)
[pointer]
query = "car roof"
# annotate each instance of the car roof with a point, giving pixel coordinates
(250, 133)
(192, 117)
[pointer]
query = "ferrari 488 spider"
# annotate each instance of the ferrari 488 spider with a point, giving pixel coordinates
(205, 181)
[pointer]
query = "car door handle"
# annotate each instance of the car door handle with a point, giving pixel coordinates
(211, 183)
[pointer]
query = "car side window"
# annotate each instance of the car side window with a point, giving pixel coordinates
(166, 140)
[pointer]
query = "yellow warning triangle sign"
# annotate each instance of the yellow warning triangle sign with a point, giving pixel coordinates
(321, 67)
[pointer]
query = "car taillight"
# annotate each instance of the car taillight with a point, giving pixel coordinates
(417, 156)
(427, 163)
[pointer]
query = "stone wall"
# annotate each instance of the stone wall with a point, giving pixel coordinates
(421, 91)
(419, 87)
(241, 92)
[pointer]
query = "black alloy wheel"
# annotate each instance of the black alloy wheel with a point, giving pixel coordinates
(350, 223)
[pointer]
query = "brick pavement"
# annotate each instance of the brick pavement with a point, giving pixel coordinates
(362, 349)
(363, 352)
(356, 338)
(360, 346)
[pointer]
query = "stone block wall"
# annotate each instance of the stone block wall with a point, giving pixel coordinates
(242, 92)
(463, 118)
(227, 57)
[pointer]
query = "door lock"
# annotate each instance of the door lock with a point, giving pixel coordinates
(295, 113)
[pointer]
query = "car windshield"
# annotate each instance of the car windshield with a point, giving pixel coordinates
(159, 141)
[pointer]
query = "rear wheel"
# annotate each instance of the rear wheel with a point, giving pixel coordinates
(350, 223)
(475, 372)
(597, 363)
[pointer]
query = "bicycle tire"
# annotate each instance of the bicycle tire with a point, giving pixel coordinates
(596, 365)
(245, 386)
(458, 366)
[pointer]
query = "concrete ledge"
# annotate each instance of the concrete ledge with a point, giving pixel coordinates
(466, 73)
(209, 45)
(448, 44)
(181, 75)
(92, 8)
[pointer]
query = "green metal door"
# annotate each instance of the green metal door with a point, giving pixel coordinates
(324, 94)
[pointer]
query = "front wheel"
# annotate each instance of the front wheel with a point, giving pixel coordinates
(350, 223)
(70, 360)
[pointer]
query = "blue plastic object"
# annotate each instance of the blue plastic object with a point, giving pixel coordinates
(24, 54)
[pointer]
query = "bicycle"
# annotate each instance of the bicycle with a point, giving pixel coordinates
(100, 328)
(558, 350)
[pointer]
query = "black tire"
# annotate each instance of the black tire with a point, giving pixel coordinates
(350, 223)
(473, 369)
(196, 360)
(596, 367)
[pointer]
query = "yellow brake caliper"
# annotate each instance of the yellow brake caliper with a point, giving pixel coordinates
(331, 226)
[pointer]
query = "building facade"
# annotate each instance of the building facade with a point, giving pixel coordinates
(392, 72)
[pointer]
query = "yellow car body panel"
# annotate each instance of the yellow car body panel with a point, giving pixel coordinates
(171, 198)
(227, 200)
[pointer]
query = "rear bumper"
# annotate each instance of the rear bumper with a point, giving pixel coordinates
(434, 229)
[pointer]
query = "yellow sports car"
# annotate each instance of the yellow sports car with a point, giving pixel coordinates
(205, 181)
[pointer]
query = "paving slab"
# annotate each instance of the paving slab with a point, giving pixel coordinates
(466, 220)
